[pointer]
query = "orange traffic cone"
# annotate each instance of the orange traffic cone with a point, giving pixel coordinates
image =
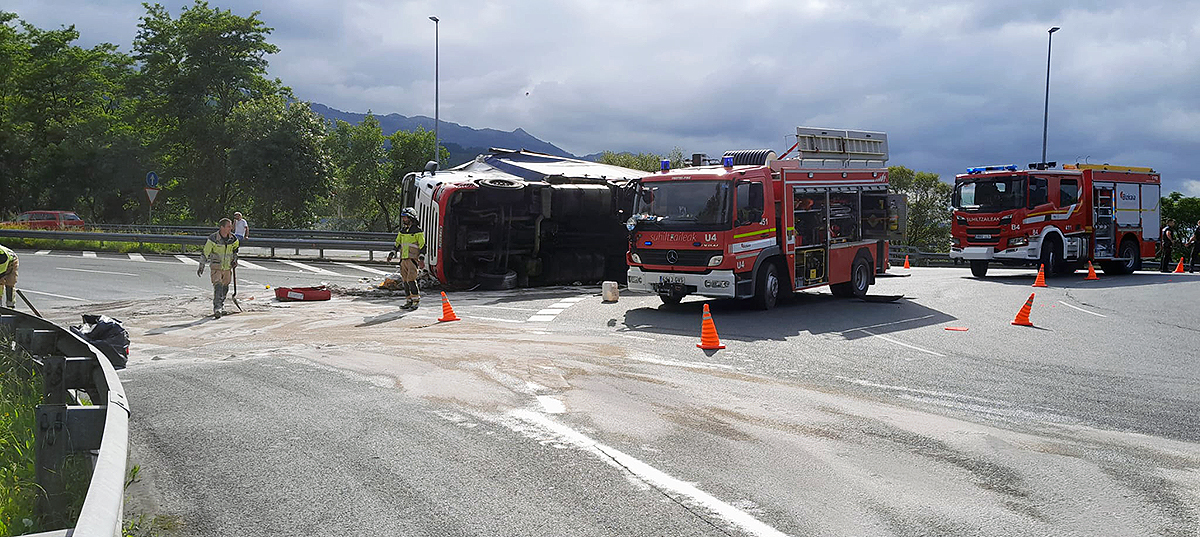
(447, 310)
(708, 333)
(1091, 272)
(1022, 318)
(906, 265)
(1179, 267)
(1041, 277)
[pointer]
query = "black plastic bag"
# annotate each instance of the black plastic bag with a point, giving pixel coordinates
(108, 335)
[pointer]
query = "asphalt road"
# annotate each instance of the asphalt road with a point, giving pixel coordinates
(549, 412)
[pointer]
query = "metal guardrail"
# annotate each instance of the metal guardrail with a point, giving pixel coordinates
(68, 362)
(896, 253)
(319, 244)
(255, 233)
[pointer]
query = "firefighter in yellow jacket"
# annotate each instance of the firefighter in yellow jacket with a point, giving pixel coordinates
(221, 252)
(410, 242)
(8, 275)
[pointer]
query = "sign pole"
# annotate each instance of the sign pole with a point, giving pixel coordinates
(151, 192)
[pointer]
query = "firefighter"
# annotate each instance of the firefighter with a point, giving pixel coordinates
(8, 275)
(410, 242)
(1195, 243)
(1168, 237)
(221, 251)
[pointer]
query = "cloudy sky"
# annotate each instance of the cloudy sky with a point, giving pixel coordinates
(954, 84)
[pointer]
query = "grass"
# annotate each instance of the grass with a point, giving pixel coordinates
(106, 246)
(20, 393)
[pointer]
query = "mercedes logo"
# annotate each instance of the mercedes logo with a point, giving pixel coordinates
(672, 257)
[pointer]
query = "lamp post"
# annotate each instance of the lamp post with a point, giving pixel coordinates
(436, 140)
(1046, 112)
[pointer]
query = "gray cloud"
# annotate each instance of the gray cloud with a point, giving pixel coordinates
(953, 83)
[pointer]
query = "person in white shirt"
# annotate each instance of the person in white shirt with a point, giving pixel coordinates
(240, 227)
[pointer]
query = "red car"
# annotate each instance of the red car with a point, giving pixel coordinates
(47, 220)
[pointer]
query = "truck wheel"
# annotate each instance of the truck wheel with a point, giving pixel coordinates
(1128, 250)
(494, 282)
(1052, 257)
(766, 292)
(497, 183)
(860, 280)
(670, 300)
(979, 268)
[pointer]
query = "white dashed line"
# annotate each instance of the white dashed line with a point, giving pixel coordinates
(309, 268)
(496, 319)
(136, 257)
(1081, 309)
(551, 311)
(637, 337)
(541, 318)
(41, 252)
(186, 260)
(903, 344)
(89, 254)
(249, 265)
(548, 314)
(362, 268)
(575, 299)
(23, 290)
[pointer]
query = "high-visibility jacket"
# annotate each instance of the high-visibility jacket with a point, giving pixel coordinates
(221, 250)
(7, 262)
(410, 242)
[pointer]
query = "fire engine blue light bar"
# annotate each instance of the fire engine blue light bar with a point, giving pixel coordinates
(665, 165)
(981, 169)
(727, 162)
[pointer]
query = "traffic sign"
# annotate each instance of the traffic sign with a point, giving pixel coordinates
(152, 181)
(152, 193)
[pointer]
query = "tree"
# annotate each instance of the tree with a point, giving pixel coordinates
(278, 161)
(647, 162)
(409, 152)
(361, 188)
(929, 208)
(1185, 211)
(194, 71)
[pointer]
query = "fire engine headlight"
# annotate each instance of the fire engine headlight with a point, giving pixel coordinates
(1019, 241)
(716, 260)
(636, 258)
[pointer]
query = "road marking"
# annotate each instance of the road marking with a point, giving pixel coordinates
(362, 268)
(563, 305)
(1081, 309)
(551, 311)
(310, 268)
(89, 254)
(53, 295)
(650, 475)
(186, 260)
(41, 252)
(637, 337)
(501, 307)
(930, 316)
(136, 257)
(575, 299)
(496, 319)
(551, 405)
(540, 318)
(902, 344)
(862, 382)
(97, 271)
(249, 265)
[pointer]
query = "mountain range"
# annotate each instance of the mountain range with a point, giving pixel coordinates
(463, 142)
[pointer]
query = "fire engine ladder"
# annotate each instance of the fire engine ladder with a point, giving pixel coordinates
(1103, 219)
(842, 147)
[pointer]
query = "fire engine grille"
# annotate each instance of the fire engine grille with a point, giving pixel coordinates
(683, 258)
(983, 235)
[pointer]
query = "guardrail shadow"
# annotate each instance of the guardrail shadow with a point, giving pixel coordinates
(1076, 281)
(806, 313)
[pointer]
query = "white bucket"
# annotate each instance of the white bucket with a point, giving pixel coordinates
(609, 291)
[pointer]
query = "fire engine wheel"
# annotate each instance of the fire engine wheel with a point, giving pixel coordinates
(860, 280)
(493, 282)
(979, 268)
(766, 289)
(1052, 257)
(1133, 260)
(670, 300)
(496, 183)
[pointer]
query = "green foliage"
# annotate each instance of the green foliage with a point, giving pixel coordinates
(361, 171)
(1185, 211)
(19, 395)
(929, 208)
(648, 162)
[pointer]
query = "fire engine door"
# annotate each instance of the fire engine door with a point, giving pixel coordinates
(753, 226)
(1102, 217)
(811, 218)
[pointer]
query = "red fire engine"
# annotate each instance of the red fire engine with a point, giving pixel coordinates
(1057, 218)
(756, 227)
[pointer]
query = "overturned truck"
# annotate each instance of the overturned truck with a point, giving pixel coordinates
(519, 219)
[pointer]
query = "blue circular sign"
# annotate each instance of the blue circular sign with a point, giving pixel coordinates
(152, 179)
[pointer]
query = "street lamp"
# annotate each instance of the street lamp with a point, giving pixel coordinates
(1046, 112)
(436, 140)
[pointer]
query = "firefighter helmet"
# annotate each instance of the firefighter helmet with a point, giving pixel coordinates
(409, 212)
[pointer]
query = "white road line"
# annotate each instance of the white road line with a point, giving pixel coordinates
(540, 318)
(550, 311)
(930, 316)
(97, 271)
(1081, 309)
(575, 299)
(562, 305)
(637, 337)
(23, 290)
(496, 319)
(527, 310)
(650, 475)
(186, 260)
(249, 265)
(136, 257)
(41, 252)
(362, 268)
(309, 268)
(903, 344)
(89, 254)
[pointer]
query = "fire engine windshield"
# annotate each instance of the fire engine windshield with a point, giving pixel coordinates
(684, 204)
(990, 194)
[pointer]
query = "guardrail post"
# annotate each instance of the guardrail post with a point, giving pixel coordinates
(321, 253)
(50, 439)
(370, 255)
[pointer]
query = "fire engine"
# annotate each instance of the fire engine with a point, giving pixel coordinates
(756, 227)
(1056, 218)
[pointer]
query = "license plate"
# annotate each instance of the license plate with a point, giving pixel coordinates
(671, 279)
(983, 236)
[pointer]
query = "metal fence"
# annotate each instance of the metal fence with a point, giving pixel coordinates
(68, 362)
(301, 239)
(897, 252)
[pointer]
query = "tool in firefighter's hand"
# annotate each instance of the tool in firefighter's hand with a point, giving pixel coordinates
(391, 255)
(235, 302)
(200, 269)
(27, 303)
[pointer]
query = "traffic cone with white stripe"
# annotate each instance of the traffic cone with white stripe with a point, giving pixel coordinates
(447, 310)
(708, 333)
(1041, 277)
(1022, 318)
